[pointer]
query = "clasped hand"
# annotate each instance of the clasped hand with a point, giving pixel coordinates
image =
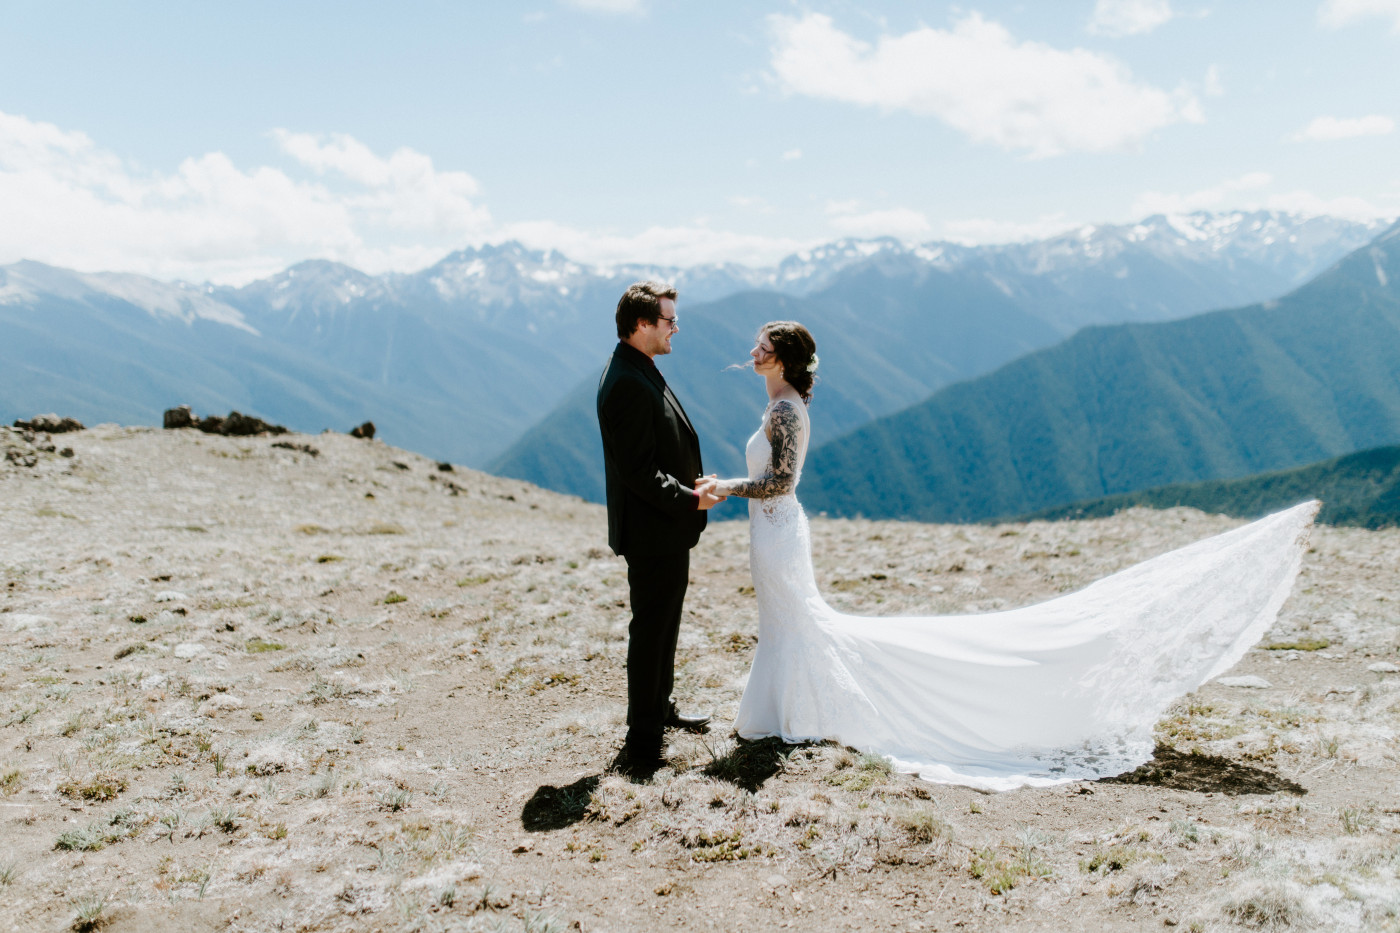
(705, 488)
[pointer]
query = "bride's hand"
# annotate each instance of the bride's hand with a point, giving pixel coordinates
(711, 485)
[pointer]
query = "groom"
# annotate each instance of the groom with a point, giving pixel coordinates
(650, 453)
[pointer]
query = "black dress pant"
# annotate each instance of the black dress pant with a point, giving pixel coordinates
(657, 583)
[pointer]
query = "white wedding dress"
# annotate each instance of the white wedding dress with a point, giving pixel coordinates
(1065, 690)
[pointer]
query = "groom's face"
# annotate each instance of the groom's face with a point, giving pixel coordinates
(657, 337)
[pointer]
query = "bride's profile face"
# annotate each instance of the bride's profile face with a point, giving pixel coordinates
(765, 361)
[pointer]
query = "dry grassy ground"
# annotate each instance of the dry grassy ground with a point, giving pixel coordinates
(245, 687)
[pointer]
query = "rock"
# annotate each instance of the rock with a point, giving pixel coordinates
(240, 425)
(364, 431)
(170, 596)
(300, 448)
(21, 458)
(236, 424)
(190, 649)
(1383, 667)
(444, 467)
(1248, 680)
(180, 417)
(19, 621)
(220, 703)
(272, 758)
(525, 845)
(50, 424)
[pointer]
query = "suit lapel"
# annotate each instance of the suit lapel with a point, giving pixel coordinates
(639, 361)
(676, 404)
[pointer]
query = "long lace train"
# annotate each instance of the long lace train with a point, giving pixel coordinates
(1064, 690)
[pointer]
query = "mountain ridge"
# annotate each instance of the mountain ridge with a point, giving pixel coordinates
(1118, 408)
(461, 359)
(1361, 489)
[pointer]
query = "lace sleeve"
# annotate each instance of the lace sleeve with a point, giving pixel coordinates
(785, 434)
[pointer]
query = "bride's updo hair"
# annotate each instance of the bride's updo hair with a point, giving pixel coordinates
(796, 352)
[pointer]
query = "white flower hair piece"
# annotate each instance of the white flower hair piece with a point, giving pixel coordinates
(812, 366)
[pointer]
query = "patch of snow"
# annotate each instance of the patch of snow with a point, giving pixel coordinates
(1183, 225)
(159, 298)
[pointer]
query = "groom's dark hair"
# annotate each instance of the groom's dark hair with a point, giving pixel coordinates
(641, 302)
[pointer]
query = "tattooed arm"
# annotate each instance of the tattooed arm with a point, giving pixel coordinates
(785, 434)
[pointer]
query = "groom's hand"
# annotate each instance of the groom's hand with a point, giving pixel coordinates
(709, 500)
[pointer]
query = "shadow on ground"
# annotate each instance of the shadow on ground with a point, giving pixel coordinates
(1205, 773)
(553, 807)
(751, 764)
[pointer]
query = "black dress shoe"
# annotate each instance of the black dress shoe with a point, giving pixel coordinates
(675, 719)
(639, 760)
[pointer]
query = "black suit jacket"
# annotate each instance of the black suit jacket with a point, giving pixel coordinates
(651, 457)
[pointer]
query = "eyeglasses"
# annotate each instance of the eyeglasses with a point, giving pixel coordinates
(670, 322)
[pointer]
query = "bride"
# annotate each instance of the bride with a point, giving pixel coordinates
(1061, 691)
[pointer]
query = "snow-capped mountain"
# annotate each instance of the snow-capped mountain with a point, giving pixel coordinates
(460, 359)
(1288, 241)
(314, 287)
(26, 282)
(1273, 251)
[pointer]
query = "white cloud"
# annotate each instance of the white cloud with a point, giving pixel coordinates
(681, 246)
(607, 6)
(1330, 128)
(402, 192)
(846, 218)
(974, 231)
(978, 79)
(1250, 192)
(1350, 208)
(1129, 17)
(1213, 85)
(792, 154)
(751, 202)
(1207, 199)
(1339, 13)
(71, 203)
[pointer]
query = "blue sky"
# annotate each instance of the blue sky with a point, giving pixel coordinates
(226, 141)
